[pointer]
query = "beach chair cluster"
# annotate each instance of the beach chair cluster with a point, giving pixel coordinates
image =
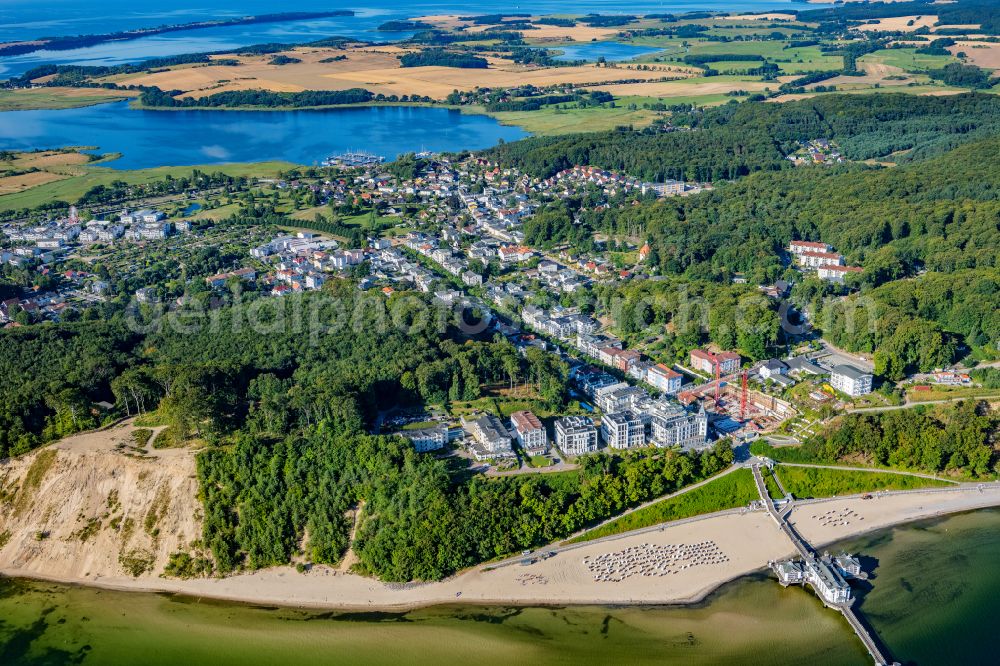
(652, 560)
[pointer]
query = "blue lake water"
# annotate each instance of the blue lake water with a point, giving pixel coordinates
(610, 51)
(28, 19)
(180, 138)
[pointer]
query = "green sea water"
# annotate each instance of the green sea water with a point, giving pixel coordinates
(934, 598)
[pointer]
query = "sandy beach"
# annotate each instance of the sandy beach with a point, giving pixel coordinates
(675, 563)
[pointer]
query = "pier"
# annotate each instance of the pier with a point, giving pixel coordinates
(354, 158)
(826, 575)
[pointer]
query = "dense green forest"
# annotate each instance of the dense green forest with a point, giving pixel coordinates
(284, 408)
(418, 522)
(735, 140)
(953, 439)
(239, 98)
(442, 58)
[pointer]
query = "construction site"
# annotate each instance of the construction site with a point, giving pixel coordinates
(733, 407)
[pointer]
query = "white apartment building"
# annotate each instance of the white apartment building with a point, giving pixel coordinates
(529, 432)
(576, 435)
(851, 380)
(623, 430)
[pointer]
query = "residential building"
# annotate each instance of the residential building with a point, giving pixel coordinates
(801, 365)
(664, 378)
(618, 397)
(801, 247)
(576, 435)
(666, 189)
(490, 434)
(145, 295)
(851, 380)
(772, 368)
(818, 259)
(836, 273)
(670, 424)
(529, 431)
(471, 279)
(432, 438)
(623, 430)
(706, 361)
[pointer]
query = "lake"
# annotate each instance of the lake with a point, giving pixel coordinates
(610, 51)
(180, 138)
(932, 598)
(28, 19)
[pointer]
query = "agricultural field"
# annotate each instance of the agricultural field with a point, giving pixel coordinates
(58, 98)
(373, 68)
(906, 59)
(552, 120)
(74, 185)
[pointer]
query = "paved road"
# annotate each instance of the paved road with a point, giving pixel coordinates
(910, 404)
(565, 546)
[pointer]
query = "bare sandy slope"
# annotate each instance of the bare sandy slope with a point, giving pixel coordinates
(95, 507)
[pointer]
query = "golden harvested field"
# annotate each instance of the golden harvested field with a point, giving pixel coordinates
(773, 16)
(978, 53)
(874, 72)
(374, 68)
(48, 159)
(541, 33)
(682, 88)
(900, 23)
(24, 181)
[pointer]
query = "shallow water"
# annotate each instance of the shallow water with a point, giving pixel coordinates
(610, 51)
(934, 598)
(753, 622)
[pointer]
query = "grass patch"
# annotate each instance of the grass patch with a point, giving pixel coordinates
(790, 454)
(419, 425)
(810, 482)
(4, 538)
(907, 59)
(552, 121)
(141, 437)
(731, 491)
(183, 565)
(33, 479)
(136, 562)
(58, 98)
(157, 510)
(168, 439)
(91, 528)
(539, 461)
(772, 486)
(950, 393)
(73, 187)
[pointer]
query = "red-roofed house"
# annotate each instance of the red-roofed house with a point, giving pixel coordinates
(706, 361)
(664, 378)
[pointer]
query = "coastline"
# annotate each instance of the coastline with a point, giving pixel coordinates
(750, 540)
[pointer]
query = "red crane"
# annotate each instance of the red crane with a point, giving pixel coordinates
(743, 396)
(718, 382)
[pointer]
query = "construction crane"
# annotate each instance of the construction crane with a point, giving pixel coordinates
(743, 396)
